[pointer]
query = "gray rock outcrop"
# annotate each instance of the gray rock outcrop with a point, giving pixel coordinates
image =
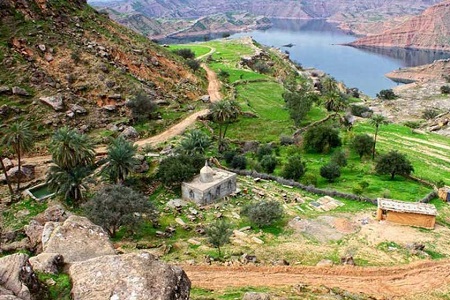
(130, 133)
(50, 263)
(77, 239)
(129, 276)
(55, 102)
(17, 278)
(256, 296)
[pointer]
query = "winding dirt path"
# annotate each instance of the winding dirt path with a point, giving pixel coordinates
(387, 282)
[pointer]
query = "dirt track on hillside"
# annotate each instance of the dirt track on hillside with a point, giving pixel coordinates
(380, 282)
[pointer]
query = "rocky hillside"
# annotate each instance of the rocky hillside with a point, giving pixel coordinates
(158, 28)
(430, 30)
(62, 62)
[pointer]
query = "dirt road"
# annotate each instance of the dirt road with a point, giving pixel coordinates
(380, 282)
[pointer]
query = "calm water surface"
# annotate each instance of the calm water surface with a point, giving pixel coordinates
(317, 45)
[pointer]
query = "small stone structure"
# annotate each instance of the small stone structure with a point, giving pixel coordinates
(407, 213)
(444, 193)
(210, 186)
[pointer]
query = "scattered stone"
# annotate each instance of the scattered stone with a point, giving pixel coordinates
(246, 258)
(154, 61)
(193, 211)
(18, 278)
(7, 163)
(109, 107)
(50, 263)
(236, 215)
(415, 246)
(128, 276)
(27, 173)
(257, 241)
(77, 239)
(281, 262)
(115, 96)
(176, 203)
(256, 296)
(78, 109)
(129, 133)
(245, 228)
(180, 221)
(194, 242)
(48, 57)
(20, 91)
(240, 234)
(205, 98)
(5, 90)
(325, 263)
(55, 102)
(348, 260)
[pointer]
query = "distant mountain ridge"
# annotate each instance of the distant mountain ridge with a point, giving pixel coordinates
(430, 30)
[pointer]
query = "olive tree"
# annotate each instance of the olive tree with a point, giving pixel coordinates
(394, 163)
(219, 233)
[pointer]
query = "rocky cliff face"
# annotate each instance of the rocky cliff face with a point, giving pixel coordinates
(268, 8)
(430, 30)
(63, 63)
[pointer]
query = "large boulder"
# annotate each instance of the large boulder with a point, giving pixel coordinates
(129, 276)
(50, 263)
(77, 239)
(27, 173)
(55, 102)
(17, 278)
(130, 133)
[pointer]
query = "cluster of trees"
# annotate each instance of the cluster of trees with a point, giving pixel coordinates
(189, 56)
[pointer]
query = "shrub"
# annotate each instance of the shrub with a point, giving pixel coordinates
(268, 163)
(330, 172)
(229, 155)
(361, 111)
(295, 168)
(321, 138)
(430, 113)
(357, 190)
(141, 107)
(261, 67)
(264, 150)
(185, 53)
(116, 205)
(387, 94)
(310, 179)
(412, 124)
(223, 75)
(445, 89)
(339, 158)
(193, 64)
(239, 162)
(263, 213)
(286, 140)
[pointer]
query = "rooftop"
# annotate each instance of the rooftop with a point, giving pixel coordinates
(407, 207)
(219, 175)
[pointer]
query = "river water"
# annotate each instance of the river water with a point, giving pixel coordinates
(318, 44)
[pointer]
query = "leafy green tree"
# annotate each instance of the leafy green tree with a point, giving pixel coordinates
(142, 107)
(117, 205)
(295, 168)
(19, 137)
(193, 64)
(263, 213)
(173, 170)
(219, 233)
(330, 172)
(299, 101)
(394, 163)
(71, 149)
(362, 144)
(223, 113)
(269, 163)
(68, 182)
(264, 150)
(195, 142)
(377, 121)
(120, 160)
(339, 158)
(321, 138)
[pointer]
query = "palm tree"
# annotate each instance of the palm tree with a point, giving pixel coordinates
(335, 102)
(195, 141)
(19, 137)
(223, 113)
(120, 160)
(376, 121)
(70, 149)
(68, 182)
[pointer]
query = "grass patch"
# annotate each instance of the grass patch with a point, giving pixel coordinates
(59, 286)
(27, 209)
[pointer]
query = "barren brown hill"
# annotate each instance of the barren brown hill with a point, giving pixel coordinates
(430, 30)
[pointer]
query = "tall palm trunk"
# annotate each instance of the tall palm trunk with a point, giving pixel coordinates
(19, 167)
(374, 142)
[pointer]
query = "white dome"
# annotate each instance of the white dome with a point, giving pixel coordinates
(206, 173)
